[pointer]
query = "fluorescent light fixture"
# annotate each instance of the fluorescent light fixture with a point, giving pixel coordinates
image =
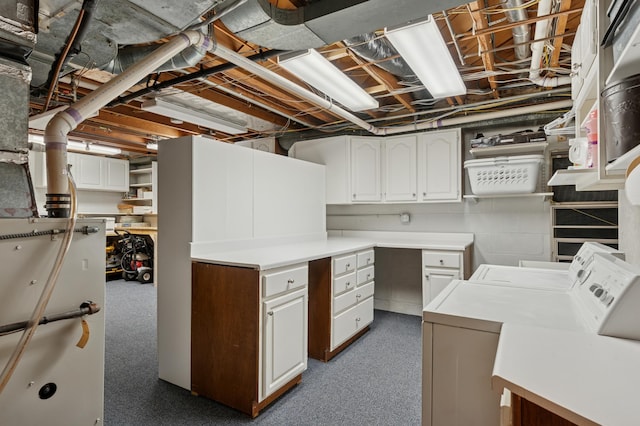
(91, 147)
(316, 70)
(153, 146)
(201, 118)
(37, 139)
(421, 45)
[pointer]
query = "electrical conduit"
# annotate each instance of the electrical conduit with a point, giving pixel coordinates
(293, 88)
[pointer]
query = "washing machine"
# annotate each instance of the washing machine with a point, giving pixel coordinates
(544, 278)
(461, 328)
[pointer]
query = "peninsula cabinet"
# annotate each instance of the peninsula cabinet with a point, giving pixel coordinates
(341, 291)
(422, 167)
(248, 333)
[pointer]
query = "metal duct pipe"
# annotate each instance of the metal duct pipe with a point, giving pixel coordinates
(521, 34)
(293, 88)
(130, 55)
(56, 132)
(537, 47)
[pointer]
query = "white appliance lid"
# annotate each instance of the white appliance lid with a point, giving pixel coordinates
(486, 308)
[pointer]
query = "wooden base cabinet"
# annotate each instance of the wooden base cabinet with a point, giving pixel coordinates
(341, 292)
(248, 333)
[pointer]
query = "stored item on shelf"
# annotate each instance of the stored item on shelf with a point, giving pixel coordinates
(621, 116)
(504, 175)
(632, 184)
(129, 219)
(578, 152)
(525, 136)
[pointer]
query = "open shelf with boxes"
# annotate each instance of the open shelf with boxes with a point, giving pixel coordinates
(143, 183)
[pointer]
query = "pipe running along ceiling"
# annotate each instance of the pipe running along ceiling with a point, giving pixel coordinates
(486, 39)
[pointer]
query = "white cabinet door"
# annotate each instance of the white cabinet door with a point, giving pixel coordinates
(439, 166)
(90, 172)
(400, 169)
(365, 169)
(434, 281)
(285, 339)
(117, 174)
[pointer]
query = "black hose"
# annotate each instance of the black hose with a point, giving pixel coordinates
(86, 308)
(120, 100)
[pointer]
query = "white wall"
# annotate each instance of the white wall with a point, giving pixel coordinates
(506, 229)
(629, 229)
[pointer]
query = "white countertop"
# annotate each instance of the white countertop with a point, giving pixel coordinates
(583, 377)
(274, 256)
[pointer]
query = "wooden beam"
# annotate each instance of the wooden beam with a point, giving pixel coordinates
(385, 78)
(509, 26)
(484, 41)
(561, 26)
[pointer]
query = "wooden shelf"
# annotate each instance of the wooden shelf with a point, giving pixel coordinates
(620, 164)
(509, 149)
(137, 200)
(570, 176)
(528, 195)
(627, 63)
(140, 171)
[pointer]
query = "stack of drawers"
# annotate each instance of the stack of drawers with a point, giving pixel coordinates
(352, 290)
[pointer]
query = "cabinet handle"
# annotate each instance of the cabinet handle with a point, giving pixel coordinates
(290, 281)
(270, 313)
(354, 196)
(424, 194)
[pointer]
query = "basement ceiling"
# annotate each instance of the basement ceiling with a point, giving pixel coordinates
(490, 50)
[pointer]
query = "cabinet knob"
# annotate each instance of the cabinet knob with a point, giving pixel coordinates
(354, 196)
(368, 276)
(441, 262)
(424, 194)
(348, 265)
(358, 296)
(358, 319)
(348, 284)
(290, 281)
(427, 277)
(270, 313)
(368, 260)
(414, 195)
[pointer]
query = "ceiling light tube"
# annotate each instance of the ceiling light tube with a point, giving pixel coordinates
(421, 45)
(201, 118)
(91, 147)
(314, 69)
(153, 146)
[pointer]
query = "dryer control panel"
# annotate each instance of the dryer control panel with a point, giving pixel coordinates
(609, 296)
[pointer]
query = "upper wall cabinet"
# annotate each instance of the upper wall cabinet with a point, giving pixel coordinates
(422, 167)
(365, 169)
(439, 166)
(401, 169)
(90, 172)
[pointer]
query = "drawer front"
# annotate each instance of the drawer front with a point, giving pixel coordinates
(344, 283)
(365, 275)
(344, 301)
(288, 279)
(365, 258)
(350, 298)
(442, 259)
(344, 264)
(351, 321)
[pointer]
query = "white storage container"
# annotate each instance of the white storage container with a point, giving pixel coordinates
(504, 175)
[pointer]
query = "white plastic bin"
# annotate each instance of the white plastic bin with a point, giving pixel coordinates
(504, 175)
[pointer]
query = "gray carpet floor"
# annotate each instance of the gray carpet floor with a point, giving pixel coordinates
(376, 381)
